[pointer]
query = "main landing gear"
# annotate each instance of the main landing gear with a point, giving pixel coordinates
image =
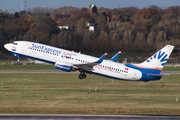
(82, 76)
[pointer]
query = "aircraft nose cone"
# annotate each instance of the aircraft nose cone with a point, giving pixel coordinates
(8, 46)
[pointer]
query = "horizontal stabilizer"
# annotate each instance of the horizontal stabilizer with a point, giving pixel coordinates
(114, 58)
(157, 75)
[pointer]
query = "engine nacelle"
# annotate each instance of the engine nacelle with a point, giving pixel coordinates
(62, 66)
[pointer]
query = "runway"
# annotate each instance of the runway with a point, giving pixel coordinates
(60, 71)
(170, 72)
(84, 117)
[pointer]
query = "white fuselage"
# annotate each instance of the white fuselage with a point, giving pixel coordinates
(52, 55)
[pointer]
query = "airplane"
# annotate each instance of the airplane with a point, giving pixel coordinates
(68, 61)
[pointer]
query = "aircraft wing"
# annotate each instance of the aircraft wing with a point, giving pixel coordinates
(114, 58)
(88, 66)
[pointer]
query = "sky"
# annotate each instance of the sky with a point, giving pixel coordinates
(15, 5)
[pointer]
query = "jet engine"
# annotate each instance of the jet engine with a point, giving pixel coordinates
(63, 66)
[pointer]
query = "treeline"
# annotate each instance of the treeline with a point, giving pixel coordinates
(134, 30)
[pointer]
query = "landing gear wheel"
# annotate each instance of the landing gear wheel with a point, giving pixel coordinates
(18, 60)
(82, 76)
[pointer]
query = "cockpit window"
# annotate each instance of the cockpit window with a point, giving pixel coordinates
(15, 43)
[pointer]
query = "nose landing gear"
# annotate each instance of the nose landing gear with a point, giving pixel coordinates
(82, 76)
(18, 60)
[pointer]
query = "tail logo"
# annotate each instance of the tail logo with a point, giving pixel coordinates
(161, 57)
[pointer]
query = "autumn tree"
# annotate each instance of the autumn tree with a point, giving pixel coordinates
(48, 21)
(81, 24)
(128, 40)
(102, 9)
(116, 42)
(41, 11)
(103, 42)
(114, 25)
(140, 42)
(66, 39)
(160, 39)
(129, 10)
(65, 10)
(87, 40)
(3, 17)
(38, 33)
(151, 44)
(100, 20)
(136, 30)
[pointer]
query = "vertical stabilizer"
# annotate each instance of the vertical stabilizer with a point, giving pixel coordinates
(158, 60)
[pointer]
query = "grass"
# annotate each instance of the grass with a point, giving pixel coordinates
(66, 94)
(171, 68)
(51, 67)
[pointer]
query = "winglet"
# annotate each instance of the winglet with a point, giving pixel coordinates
(114, 58)
(102, 58)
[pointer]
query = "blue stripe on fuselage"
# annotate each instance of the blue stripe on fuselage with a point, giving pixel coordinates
(34, 58)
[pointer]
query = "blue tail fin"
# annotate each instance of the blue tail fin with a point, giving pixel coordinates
(157, 61)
